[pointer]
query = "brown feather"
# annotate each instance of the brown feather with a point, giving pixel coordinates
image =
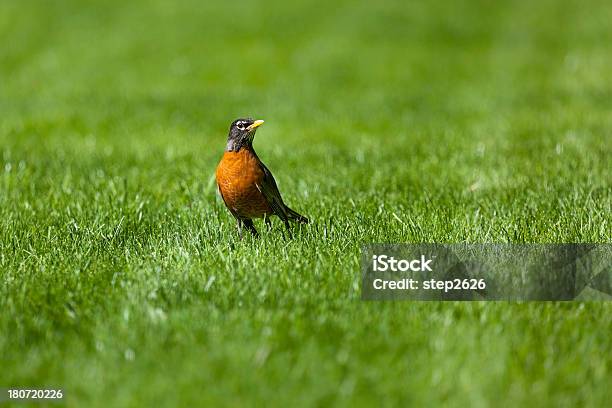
(238, 175)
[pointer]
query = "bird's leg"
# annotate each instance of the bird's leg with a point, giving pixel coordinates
(286, 221)
(268, 222)
(239, 226)
(249, 225)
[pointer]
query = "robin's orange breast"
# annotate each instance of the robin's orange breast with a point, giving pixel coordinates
(237, 176)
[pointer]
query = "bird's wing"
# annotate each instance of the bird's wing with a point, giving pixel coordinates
(269, 189)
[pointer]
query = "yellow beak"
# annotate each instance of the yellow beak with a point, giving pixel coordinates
(255, 124)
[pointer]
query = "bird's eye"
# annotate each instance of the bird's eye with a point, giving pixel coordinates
(240, 125)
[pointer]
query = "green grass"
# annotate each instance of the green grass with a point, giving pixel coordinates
(122, 279)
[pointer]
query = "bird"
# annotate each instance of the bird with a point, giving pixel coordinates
(246, 185)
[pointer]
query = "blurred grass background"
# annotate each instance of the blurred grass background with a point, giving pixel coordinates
(122, 279)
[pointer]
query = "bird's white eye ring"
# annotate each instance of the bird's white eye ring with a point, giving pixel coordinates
(240, 125)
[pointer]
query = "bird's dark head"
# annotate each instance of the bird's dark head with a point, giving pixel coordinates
(241, 133)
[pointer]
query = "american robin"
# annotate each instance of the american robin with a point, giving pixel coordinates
(245, 183)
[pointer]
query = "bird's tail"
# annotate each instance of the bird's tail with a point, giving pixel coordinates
(294, 216)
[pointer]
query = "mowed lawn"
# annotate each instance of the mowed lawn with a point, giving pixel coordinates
(123, 281)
